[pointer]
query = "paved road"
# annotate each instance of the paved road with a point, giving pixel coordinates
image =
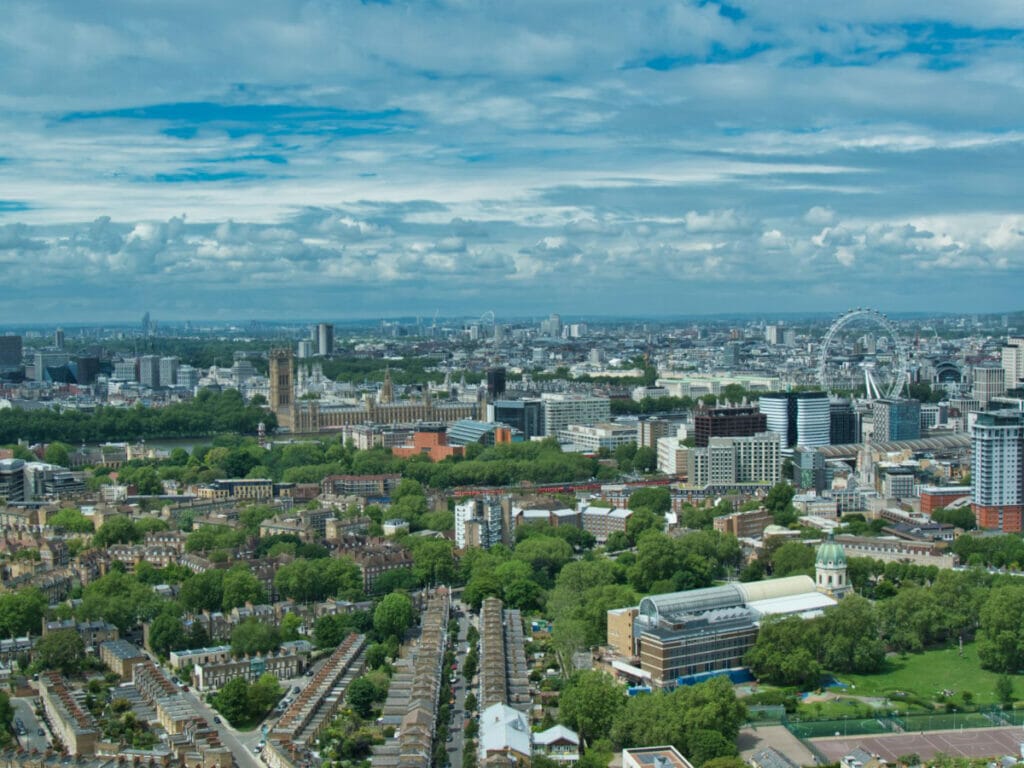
(240, 743)
(24, 709)
(457, 726)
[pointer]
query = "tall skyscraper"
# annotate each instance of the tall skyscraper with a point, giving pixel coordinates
(495, 382)
(987, 381)
(149, 371)
(58, 338)
(997, 470)
(896, 419)
(86, 368)
(844, 422)
(800, 418)
(325, 339)
(10, 352)
(1013, 361)
(168, 371)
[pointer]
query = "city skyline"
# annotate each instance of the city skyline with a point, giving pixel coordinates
(359, 160)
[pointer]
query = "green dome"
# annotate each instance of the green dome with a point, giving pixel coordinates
(831, 553)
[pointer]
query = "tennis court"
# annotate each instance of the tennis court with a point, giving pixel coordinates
(979, 742)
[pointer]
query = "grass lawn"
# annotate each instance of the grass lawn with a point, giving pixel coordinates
(925, 674)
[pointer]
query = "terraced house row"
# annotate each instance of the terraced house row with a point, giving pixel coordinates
(314, 708)
(415, 690)
(503, 671)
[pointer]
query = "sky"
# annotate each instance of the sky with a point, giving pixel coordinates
(336, 159)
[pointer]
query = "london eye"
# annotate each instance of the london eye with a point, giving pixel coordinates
(883, 369)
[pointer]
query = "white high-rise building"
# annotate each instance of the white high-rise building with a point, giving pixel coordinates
(561, 410)
(325, 339)
(987, 381)
(478, 523)
(149, 371)
(168, 371)
(801, 418)
(1013, 361)
(997, 470)
(735, 460)
(188, 377)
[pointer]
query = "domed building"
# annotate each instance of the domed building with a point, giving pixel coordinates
(830, 569)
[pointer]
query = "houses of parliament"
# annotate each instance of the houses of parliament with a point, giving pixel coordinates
(310, 416)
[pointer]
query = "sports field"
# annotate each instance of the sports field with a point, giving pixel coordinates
(982, 742)
(814, 728)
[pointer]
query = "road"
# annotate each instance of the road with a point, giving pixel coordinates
(240, 743)
(458, 723)
(24, 709)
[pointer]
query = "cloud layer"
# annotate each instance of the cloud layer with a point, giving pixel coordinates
(343, 159)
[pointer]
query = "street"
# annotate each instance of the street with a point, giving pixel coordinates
(240, 743)
(457, 726)
(24, 710)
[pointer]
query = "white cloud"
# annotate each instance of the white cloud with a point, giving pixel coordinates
(641, 146)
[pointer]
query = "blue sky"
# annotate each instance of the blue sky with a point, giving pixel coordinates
(338, 159)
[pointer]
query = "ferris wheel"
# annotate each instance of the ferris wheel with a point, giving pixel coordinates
(884, 375)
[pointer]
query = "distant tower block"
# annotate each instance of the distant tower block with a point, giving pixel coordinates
(282, 387)
(261, 435)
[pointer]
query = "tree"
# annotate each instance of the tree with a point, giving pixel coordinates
(850, 638)
(232, 700)
(1004, 689)
(116, 530)
(120, 599)
(239, 587)
(433, 561)
(262, 695)
(203, 591)
(290, 625)
(792, 558)
(166, 634)
(21, 612)
(643, 520)
(961, 517)
(393, 615)
(657, 499)
(1001, 635)
(361, 695)
(545, 555)
(783, 653)
(72, 520)
(645, 460)
(590, 703)
(57, 453)
(779, 501)
(62, 650)
(252, 637)
(706, 745)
